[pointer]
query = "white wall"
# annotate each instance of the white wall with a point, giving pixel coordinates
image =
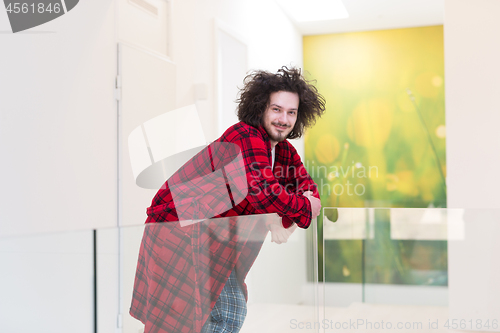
(472, 72)
(58, 122)
(271, 39)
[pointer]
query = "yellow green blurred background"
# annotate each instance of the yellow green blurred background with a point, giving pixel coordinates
(371, 124)
(381, 143)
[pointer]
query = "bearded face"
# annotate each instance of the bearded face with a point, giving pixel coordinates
(280, 115)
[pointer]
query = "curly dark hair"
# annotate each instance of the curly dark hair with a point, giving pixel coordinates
(258, 86)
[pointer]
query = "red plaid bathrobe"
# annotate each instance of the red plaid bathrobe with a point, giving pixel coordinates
(183, 266)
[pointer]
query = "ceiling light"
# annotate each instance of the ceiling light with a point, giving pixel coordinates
(314, 10)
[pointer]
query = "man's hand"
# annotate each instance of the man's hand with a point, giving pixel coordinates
(315, 204)
(279, 234)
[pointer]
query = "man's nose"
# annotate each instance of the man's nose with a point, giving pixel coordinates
(283, 118)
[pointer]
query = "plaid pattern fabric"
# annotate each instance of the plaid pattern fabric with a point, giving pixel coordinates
(229, 311)
(182, 270)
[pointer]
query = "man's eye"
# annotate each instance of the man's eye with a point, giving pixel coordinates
(291, 112)
(276, 109)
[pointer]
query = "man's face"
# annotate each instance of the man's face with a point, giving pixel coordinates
(280, 115)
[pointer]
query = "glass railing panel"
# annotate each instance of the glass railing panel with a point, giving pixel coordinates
(283, 285)
(412, 269)
(47, 282)
(174, 272)
(407, 262)
(424, 269)
(474, 269)
(344, 231)
(86, 281)
(129, 244)
(108, 288)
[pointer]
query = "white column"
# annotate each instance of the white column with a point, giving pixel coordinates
(472, 72)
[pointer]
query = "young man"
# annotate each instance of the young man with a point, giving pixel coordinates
(191, 271)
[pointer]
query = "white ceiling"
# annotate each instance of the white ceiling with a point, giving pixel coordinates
(379, 15)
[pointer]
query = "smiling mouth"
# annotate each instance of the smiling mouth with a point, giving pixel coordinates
(281, 127)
